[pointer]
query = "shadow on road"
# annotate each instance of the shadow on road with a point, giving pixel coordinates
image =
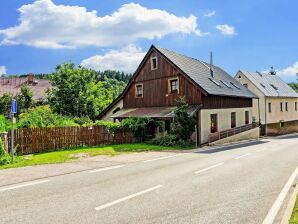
(286, 137)
(234, 146)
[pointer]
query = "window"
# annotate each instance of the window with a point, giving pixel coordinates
(282, 124)
(274, 87)
(139, 90)
(153, 63)
(246, 117)
(233, 119)
(269, 107)
(173, 85)
(286, 106)
(225, 83)
(213, 127)
(233, 84)
(262, 85)
(214, 81)
(245, 85)
(281, 109)
(296, 106)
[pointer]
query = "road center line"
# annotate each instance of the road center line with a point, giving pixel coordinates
(160, 158)
(105, 168)
(209, 168)
(23, 185)
(127, 198)
(239, 157)
(280, 199)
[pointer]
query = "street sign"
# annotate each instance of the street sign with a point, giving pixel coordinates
(14, 106)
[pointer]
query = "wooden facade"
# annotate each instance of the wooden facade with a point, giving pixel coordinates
(156, 88)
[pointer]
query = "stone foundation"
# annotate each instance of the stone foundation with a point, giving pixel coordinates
(288, 128)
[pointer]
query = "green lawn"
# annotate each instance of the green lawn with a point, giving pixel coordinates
(74, 154)
(294, 217)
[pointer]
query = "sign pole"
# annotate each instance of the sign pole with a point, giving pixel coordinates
(13, 111)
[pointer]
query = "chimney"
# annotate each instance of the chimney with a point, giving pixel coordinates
(30, 78)
(272, 71)
(211, 63)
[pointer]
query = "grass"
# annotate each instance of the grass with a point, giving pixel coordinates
(73, 154)
(294, 217)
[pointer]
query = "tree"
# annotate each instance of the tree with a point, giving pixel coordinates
(79, 92)
(24, 99)
(183, 125)
(5, 104)
(294, 86)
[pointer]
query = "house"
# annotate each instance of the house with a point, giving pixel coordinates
(277, 107)
(13, 86)
(216, 100)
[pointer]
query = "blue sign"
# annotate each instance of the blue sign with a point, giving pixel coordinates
(14, 106)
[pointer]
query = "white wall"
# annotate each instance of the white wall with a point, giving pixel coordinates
(108, 115)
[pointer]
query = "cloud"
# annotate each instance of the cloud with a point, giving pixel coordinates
(126, 59)
(3, 70)
(44, 24)
(226, 29)
(290, 71)
(210, 14)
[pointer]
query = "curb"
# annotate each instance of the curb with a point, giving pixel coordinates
(288, 212)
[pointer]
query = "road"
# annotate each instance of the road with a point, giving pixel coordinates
(233, 184)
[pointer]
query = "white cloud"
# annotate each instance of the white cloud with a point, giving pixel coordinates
(46, 25)
(3, 70)
(226, 29)
(210, 14)
(290, 71)
(126, 59)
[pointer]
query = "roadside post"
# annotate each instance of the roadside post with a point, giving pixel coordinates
(13, 111)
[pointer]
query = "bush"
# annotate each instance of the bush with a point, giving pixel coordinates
(109, 125)
(42, 117)
(4, 124)
(169, 140)
(4, 156)
(142, 127)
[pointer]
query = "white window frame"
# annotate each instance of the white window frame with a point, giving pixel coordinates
(151, 61)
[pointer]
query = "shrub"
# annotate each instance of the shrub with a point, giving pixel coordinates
(183, 125)
(142, 127)
(4, 124)
(42, 117)
(4, 156)
(169, 140)
(109, 125)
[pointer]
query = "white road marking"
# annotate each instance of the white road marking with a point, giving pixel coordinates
(209, 168)
(105, 168)
(23, 185)
(239, 157)
(127, 198)
(279, 200)
(160, 158)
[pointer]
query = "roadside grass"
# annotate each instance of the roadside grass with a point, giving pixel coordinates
(74, 154)
(294, 217)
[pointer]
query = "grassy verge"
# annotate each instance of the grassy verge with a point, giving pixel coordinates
(74, 154)
(294, 217)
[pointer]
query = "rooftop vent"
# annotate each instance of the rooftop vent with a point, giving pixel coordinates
(272, 71)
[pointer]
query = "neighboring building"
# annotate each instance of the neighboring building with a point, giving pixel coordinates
(13, 86)
(215, 99)
(277, 107)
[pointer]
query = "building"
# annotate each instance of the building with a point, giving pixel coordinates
(13, 86)
(277, 107)
(215, 99)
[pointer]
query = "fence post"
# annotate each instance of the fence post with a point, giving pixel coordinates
(4, 138)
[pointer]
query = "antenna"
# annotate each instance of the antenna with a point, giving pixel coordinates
(211, 63)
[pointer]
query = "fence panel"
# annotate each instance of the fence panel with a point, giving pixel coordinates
(34, 140)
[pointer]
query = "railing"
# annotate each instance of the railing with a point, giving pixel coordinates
(230, 132)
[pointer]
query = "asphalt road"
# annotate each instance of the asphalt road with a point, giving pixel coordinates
(237, 184)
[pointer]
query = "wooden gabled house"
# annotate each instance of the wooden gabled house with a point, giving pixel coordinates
(215, 99)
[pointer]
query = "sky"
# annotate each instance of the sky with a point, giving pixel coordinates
(253, 35)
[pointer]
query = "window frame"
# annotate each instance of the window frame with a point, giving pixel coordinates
(152, 64)
(213, 129)
(136, 90)
(170, 91)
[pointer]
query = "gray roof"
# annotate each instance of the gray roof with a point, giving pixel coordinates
(270, 85)
(199, 72)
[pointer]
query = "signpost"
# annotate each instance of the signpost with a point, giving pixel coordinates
(13, 111)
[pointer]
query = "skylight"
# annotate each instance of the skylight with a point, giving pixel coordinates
(274, 87)
(262, 85)
(226, 84)
(215, 82)
(233, 84)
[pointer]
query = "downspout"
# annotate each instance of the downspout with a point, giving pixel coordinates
(199, 127)
(265, 116)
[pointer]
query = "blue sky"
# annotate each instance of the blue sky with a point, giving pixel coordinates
(252, 35)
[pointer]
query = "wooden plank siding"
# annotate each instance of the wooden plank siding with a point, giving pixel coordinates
(155, 86)
(216, 102)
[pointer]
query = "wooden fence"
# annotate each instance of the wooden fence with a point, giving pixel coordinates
(34, 140)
